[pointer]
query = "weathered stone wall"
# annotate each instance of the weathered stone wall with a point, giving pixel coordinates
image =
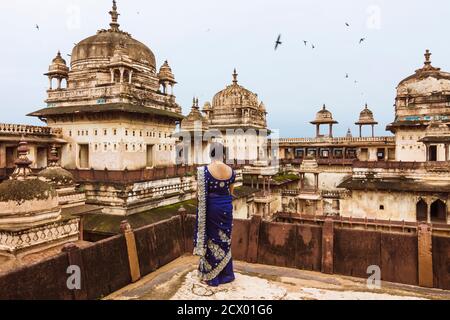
(111, 264)
(383, 205)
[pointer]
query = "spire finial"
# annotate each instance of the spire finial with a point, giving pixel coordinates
(54, 158)
(235, 74)
(114, 17)
(195, 103)
(427, 57)
(22, 162)
(324, 107)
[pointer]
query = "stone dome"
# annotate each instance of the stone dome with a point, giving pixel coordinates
(207, 106)
(236, 107)
(323, 116)
(102, 46)
(54, 173)
(25, 200)
(235, 95)
(194, 118)
(165, 73)
(366, 116)
(57, 176)
(58, 66)
(437, 128)
(425, 81)
(26, 203)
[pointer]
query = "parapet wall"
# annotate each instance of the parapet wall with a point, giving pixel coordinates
(113, 263)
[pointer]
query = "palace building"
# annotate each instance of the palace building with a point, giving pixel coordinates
(111, 148)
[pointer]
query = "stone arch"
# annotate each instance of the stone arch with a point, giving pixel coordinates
(438, 211)
(421, 210)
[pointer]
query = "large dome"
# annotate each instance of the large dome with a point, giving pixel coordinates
(234, 96)
(426, 80)
(102, 46)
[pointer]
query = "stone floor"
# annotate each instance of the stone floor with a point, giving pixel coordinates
(178, 281)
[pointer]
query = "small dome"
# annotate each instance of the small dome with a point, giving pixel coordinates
(366, 116)
(57, 176)
(58, 66)
(324, 116)
(58, 59)
(165, 73)
(262, 106)
(194, 119)
(207, 106)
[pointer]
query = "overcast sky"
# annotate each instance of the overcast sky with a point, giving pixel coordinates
(205, 39)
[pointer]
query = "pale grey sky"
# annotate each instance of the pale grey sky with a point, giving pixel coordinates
(205, 39)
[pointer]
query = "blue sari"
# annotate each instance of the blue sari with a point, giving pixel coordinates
(212, 235)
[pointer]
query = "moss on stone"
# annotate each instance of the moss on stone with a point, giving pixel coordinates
(110, 224)
(284, 177)
(25, 190)
(58, 176)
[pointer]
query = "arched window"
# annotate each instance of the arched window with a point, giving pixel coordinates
(438, 211)
(421, 210)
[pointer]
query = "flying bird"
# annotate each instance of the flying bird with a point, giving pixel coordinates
(347, 24)
(346, 75)
(361, 40)
(37, 27)
(69, 55)
(305, 42)
(313, 46)
(278, 42)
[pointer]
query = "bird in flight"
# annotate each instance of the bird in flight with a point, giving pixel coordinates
(37, 27)
(305, 42)
(69, 55)
(313, 46)
(361, 40)
(347, 24)
(346, 75)
(278, 42)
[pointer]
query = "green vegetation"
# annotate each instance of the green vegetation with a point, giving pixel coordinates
(285, 177)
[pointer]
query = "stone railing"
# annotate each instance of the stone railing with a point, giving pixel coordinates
(19, 129)
(401, 165)
(110, 91)
(334, 140)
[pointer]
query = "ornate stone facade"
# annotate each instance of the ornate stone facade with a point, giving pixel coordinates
(112, 112)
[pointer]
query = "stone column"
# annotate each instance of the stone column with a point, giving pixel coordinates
(59, 83)
(373, 131)
(425, 255)
(51, 85)
(360, 131)
(122, 70)
(327, 246)
(130, 75)
(112, 75)
(330, 133)
(317, 130)
(133, 258)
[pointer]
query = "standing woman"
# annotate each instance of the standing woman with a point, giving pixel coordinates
(212, 235)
